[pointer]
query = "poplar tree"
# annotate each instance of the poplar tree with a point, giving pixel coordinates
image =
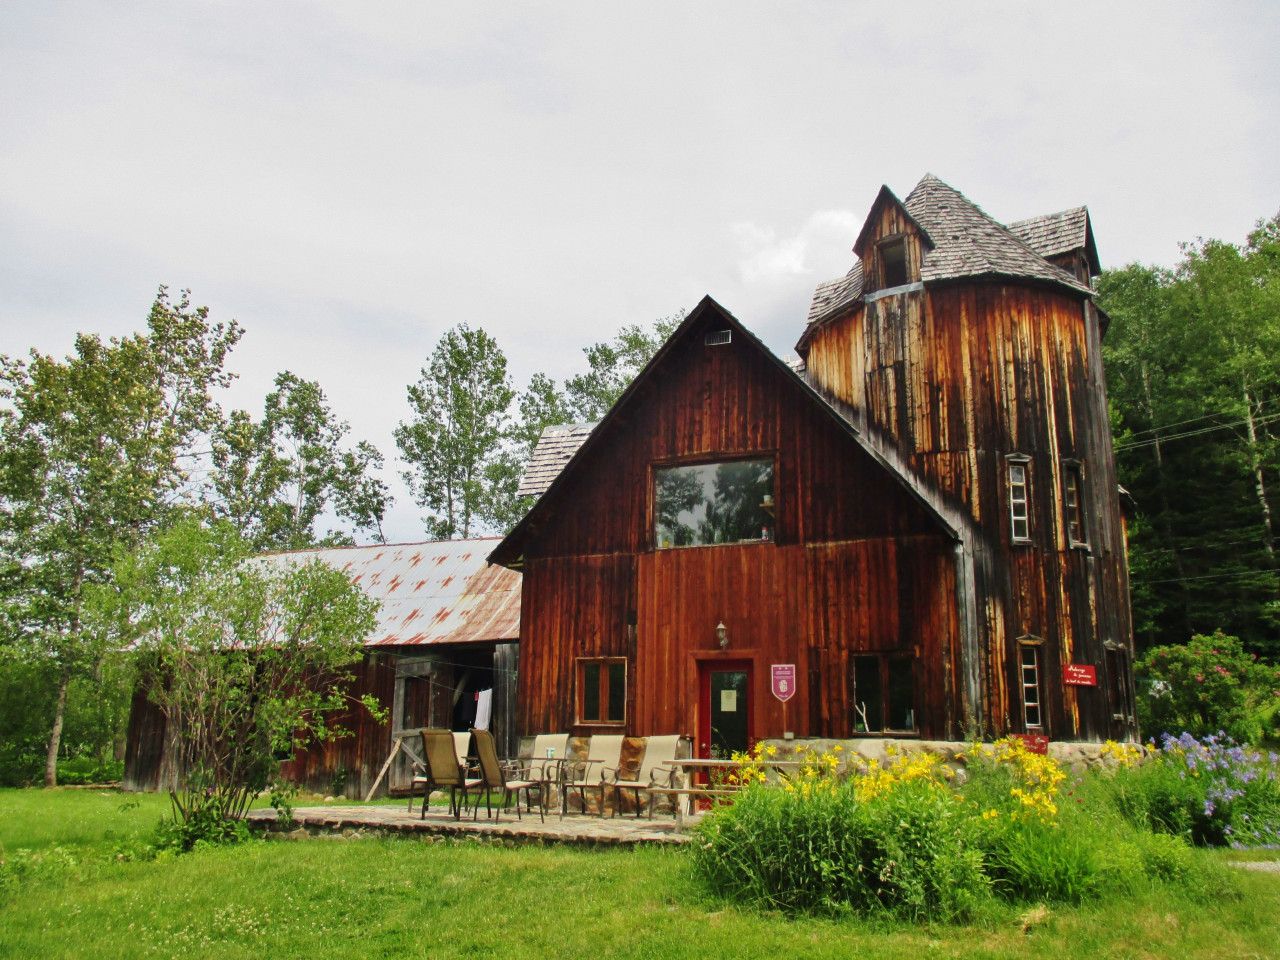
(462, 467)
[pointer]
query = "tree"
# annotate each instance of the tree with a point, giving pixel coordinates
(541, 406)
(247, 658)
(462, 467)
(275, 478)
(92, 454)
(613, 365)
(1193, 370)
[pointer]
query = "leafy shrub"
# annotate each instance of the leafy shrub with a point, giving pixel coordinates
(1207, 686)
(80, 770)
(205, 825)
(893, 841)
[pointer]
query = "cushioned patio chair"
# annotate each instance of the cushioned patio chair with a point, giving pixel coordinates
(593, 773)
(442, 771)
(655, 770)
(493, 776)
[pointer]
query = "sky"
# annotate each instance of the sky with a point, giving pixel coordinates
(350, 180)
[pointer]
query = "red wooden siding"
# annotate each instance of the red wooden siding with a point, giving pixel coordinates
(857, 562)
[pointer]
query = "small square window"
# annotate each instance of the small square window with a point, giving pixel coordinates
(884, 696)
(602, 690)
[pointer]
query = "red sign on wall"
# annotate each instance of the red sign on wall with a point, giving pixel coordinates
(1079, 675)
(784, 681)
(1035, 742)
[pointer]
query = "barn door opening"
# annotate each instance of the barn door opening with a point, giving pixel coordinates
(726, 721)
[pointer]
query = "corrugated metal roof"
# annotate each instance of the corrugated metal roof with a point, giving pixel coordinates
(443, 591)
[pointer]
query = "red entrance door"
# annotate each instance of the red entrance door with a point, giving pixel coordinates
(726, 722)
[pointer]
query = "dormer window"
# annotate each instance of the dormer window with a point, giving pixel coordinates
(893, 263)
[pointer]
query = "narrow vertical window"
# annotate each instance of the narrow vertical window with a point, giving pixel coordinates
(1018, 501)
(1072, 497)
(893, 263)
(1029, 668)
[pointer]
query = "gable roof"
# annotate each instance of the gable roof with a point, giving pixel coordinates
(556, 447)
(965, 242)
(440, 592)
(1054, 234)
(511, 549)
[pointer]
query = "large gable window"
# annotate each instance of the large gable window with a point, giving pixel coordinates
(706, 503)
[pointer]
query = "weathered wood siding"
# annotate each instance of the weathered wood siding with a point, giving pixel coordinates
(957, 377)
(856, 563)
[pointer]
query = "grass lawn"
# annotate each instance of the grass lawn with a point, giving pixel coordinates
(65, 892)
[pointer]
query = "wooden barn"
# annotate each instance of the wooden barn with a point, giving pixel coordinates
(920, 517)
(443, 653)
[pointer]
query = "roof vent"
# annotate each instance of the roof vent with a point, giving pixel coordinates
(718, 338)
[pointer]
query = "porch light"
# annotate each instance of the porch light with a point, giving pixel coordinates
(722, 635)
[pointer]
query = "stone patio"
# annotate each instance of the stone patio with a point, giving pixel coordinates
(384, 820)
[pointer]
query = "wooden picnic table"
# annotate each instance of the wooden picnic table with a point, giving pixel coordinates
(689, 767)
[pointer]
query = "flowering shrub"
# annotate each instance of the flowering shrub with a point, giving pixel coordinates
(1206, 686)
(1210, 790)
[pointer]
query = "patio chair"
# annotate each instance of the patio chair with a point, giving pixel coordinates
(601, 763)
(442, 771)
(494, 777)
(655, 770)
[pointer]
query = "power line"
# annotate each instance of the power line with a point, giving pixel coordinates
(1257, 422)
(1208, 576)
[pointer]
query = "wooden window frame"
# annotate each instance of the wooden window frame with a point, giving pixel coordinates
(1033, 647)
(1018, 462)
(702, 459)
(1073, 512)
(894, 240)
(884, 657)
(580, 691)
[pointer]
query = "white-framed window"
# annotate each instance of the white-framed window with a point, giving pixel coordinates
(1032, 692)
(1019, 515)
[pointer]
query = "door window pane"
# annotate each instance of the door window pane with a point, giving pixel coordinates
(729, 707)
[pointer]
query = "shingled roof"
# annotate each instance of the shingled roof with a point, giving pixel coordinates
(555, 448)
(1057, 233)
(966, 242)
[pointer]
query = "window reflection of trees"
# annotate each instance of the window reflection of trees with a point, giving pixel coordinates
(713, 503)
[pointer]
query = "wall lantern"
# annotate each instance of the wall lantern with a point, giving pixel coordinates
(722, 635)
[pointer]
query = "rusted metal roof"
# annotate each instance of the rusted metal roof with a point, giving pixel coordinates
(442, 591)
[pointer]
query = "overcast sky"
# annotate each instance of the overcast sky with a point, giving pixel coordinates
(349, 180)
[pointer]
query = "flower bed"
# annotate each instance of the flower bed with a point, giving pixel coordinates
(911, 838)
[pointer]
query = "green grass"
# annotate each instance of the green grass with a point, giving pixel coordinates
(393, 898)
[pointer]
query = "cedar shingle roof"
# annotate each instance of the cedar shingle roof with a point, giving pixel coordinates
(1058, 233)
(555, 448)
(966, 243)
